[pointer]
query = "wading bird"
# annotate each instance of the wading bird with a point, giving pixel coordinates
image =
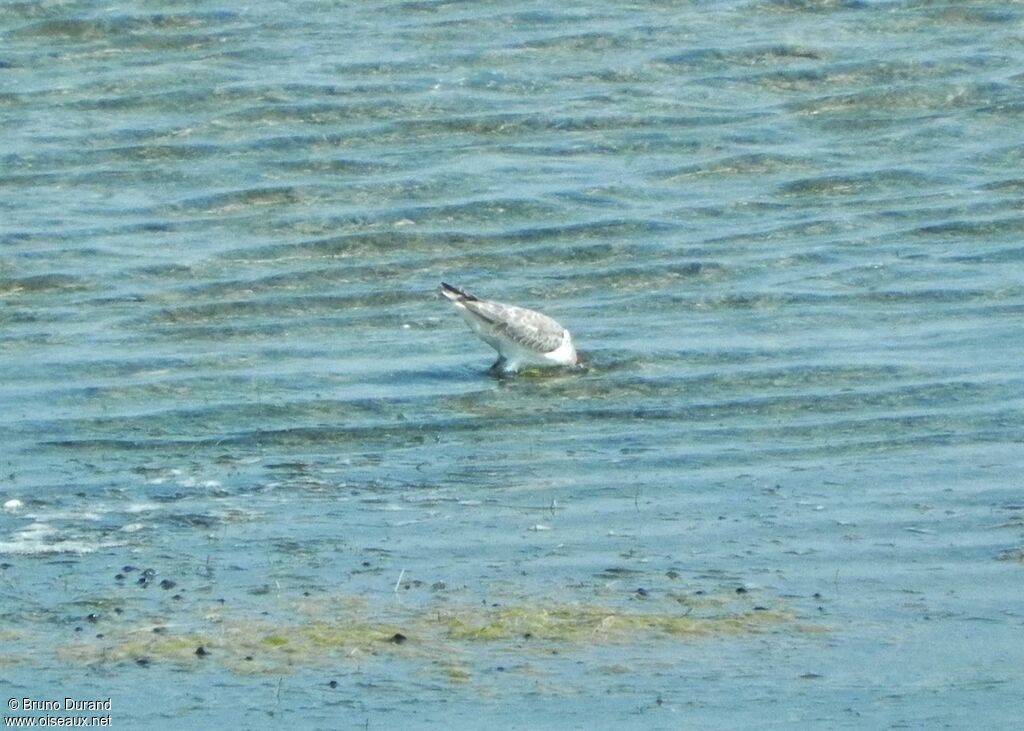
(522, 337)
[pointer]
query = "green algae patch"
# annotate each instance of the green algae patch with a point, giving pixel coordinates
(344, 636)
(585, 624)
(138, 647)
(241, 645)
(440, 637)
(456, 674)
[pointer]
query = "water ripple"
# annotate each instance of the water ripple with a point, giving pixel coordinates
(784, 233)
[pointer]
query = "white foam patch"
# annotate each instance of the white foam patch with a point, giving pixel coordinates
(191, 482)
(40, 539)
(141, 508)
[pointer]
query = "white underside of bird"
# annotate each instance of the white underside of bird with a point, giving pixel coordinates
(522, 337)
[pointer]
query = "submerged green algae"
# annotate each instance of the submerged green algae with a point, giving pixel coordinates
(439, 636)
(585, 624)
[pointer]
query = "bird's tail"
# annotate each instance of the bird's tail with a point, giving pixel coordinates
(454, 294)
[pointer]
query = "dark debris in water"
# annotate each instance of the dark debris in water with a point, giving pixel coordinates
(1017, 554)
(617, 572)
(194, 520)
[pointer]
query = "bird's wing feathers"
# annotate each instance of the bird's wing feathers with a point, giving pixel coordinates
(527, 328)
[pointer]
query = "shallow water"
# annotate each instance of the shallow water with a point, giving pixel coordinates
(785, 490)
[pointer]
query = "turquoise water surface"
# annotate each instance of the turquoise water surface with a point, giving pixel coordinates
(254, 472)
